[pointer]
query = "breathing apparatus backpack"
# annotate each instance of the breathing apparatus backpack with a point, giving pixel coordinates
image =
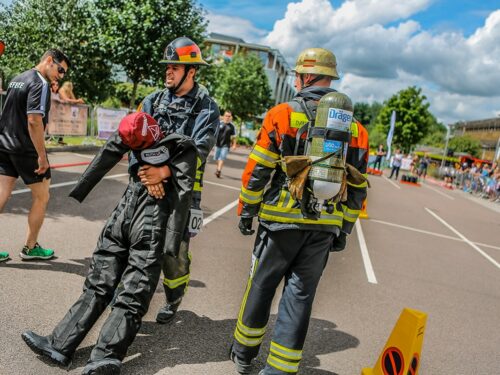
(318, 179)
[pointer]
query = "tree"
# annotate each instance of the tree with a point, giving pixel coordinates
(30, 27)
(367, 113)
(436, 134)
(137, 32)
(465, 144)
(243, 87)
(413, 118)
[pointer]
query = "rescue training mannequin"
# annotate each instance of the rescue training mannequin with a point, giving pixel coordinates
(130, 248)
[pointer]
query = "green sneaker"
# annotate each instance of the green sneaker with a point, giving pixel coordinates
(37, 252)
(4, 256)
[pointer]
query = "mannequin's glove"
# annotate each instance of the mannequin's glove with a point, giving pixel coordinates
(339, 242)
(245, 226)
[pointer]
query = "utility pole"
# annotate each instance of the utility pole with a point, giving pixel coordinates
(448, 131)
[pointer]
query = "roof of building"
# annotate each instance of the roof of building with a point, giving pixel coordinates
(490, 123)
(228, 38)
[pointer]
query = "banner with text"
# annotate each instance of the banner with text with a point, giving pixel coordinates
(108, 121)
(67, 119)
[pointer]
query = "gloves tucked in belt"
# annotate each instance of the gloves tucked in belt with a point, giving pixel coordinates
(245, 226)
(339, 242)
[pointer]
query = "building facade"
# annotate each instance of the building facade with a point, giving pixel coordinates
(223, 47)
(485, 131)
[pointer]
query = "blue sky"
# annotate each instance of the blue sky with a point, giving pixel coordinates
(457, 15)
(449, 48)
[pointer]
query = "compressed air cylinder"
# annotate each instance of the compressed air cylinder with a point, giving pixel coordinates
(334, 111)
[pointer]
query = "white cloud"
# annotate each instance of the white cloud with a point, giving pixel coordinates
(460, 75)
(234, 26)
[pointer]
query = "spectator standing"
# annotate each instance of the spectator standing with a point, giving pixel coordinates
(67, 95)
(22, 146)
(380, 154)
(423, 165)
(226, 138)
(396, 163)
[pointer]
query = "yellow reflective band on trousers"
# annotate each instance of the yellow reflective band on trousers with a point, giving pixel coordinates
(293, 354)
(197, 186)
(264, 157)
(172, 284)
(245, 335)
(282, 365)
(294, 215)
(350, 215)
(251, 197)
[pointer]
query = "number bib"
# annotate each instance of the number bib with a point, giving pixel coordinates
(195, 221)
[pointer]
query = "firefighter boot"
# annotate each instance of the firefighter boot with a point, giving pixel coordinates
(42, 345)
(167, 313)
(108, 366)
(242, 366)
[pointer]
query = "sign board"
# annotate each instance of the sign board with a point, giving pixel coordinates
(108, 121)
(67, 119)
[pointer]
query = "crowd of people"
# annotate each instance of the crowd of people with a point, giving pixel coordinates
(482, 180)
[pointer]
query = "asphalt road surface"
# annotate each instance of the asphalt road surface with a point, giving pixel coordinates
(427, 248)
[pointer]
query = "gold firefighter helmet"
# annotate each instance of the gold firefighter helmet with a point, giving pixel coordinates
(317, 61)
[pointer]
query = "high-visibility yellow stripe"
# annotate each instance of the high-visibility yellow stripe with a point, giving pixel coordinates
(250, 331)
(262, 161)
(199, 174)
(354, 129)
(361, 185)
(247, 291)
(262, 150)
(172, 284)
(197, 186)
(294, 215)
(247, 341)
(282, 365)
(251, 197)
(286, 353)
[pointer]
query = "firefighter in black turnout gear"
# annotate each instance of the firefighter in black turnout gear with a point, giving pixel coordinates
(130, 248)
(294, 238)
(184, 107)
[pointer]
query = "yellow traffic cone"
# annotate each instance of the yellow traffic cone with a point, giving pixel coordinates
(363, 214)
(401, 354)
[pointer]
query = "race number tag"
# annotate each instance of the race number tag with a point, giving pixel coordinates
(195, 221)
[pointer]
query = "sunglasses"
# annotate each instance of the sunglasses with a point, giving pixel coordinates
(60, 69)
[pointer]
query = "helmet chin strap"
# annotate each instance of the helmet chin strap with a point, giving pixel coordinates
(174, 90)
(313, 81)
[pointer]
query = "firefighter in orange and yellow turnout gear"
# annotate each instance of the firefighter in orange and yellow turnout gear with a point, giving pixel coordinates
(290, 245)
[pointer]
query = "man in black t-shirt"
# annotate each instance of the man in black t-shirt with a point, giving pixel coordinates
(22, 148)
(226, 138)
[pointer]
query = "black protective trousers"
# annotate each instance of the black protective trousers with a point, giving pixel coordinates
(298, 257)
(129, 252)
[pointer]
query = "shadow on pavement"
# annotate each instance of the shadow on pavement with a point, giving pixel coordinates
(194, 339)
(80, 269)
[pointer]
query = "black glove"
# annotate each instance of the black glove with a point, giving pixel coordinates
(339, 242)
(245, 226)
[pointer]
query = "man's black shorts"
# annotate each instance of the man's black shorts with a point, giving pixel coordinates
(24, 166)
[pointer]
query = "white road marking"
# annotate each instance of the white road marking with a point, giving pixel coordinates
(392, 182)
(222, 211)
(439, 192)
(222, 185)
(364, 253)
(430, 233)
(69, 183)
(469, 242)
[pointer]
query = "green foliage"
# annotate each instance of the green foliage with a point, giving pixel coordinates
(413, 118)
(244, 141)
(465, 144)
(209, 76)
(123, 92)
(377, 137)
(367, 113)
(243, 87)
(136, 33)
(436, 135)
(30, 27)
